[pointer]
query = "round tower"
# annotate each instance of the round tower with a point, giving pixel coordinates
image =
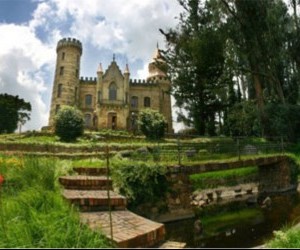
(66, 80)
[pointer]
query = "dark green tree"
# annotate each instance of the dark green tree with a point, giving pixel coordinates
(13, 110)
(69, 124)
(195, 58)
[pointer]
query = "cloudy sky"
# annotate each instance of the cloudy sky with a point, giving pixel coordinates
(30, 29)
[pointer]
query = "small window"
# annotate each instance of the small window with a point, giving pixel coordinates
(61, 71)
(88, 100)
(63, 56)
(134, 101)
(59, 90)
(147, 102)
(112, 92)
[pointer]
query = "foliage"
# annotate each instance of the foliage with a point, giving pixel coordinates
(13, 110)
(33, 211)
(288, 238)
(243, 119)
(139, 181)
(69, 124)
(152, 124)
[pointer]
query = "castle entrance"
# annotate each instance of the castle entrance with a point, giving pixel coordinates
(112, 121)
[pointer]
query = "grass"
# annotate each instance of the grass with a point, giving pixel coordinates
(225, 177)
(33, 213)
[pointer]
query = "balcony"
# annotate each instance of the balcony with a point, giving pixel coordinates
(111, 102)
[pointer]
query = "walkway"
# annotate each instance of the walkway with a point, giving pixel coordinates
(88, 190)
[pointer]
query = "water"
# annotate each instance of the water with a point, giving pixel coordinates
(243, 227)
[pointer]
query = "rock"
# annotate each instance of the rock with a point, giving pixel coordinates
(201, 203)
(198, 227)
(267, 202)
(249, 150)
(198, 197)
(191, 152)
(177, 201)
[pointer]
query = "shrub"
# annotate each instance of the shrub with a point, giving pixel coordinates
(139, 181)
(152, 124)
(69, 124)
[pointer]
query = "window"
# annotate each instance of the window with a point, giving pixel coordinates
(147, 102)
(63, 56)
(61, 71)
(134, 102)
(77, 73)
(59, 90)
(112, 92)
(88, 100)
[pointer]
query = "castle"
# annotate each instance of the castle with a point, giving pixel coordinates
(110, 100)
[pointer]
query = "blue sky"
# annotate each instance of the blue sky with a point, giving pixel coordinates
(30, 29)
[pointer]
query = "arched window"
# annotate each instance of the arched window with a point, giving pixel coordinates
(147, 102)
(88, 100)
(134, 102)
(112, 92)
(87, 120)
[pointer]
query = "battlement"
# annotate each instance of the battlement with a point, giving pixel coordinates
(88, 80)
(142, 82)
(66, 42)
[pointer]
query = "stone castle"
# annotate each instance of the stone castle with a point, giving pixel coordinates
(110, 100)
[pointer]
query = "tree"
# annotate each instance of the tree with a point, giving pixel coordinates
(12, 111)
(152, 124)
(69, 124)
(195, 58)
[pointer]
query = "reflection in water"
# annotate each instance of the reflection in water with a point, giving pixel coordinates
(245, 227)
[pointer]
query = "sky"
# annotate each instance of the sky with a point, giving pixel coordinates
(30, 30)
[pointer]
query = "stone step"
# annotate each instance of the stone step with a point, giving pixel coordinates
(129, 230)
(91, 200)
(90, 171)
(85, 182)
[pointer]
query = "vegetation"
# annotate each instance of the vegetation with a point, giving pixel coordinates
(152, 124)
(139, 181)
(286, 238)
(231, 60)
(69, 124)
(13, 110)
(33, 213)
(230, 177)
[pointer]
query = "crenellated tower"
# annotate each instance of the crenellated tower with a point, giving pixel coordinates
(66, 80)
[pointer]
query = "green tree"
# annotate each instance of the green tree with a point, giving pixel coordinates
(69, 124)
(152, 124)
(195, 58)
(13, 110)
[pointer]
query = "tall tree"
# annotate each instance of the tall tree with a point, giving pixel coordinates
(195, 56)
(12, 111)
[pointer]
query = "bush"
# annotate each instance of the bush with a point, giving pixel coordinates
(69, 124)
(152, 124)
(139, 181)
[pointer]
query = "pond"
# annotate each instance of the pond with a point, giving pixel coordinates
(237, 225)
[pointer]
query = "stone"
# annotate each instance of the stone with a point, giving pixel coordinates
(267, 202)
(177, 201)
(249, 150)
(201, 203)
(198, 227)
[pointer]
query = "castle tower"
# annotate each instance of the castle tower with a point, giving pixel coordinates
(158, 73)
(66, 80)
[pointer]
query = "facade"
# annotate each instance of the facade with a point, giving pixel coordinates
(110, 100)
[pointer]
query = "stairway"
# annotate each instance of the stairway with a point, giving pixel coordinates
(89, 191)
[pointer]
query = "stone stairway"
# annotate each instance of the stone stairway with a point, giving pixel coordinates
(88, 191)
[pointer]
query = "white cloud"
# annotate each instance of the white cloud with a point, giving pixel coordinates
(22, 57)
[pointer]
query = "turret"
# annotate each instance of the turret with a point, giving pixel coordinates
(126, 83)
(157, 67)
(66, 80)
(99, 83)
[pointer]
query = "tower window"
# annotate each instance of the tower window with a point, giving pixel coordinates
(147, 102)
(63, 56)
(134, 101)
(59, 90)
(61, 70)
(88, 100)
(112, 92)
